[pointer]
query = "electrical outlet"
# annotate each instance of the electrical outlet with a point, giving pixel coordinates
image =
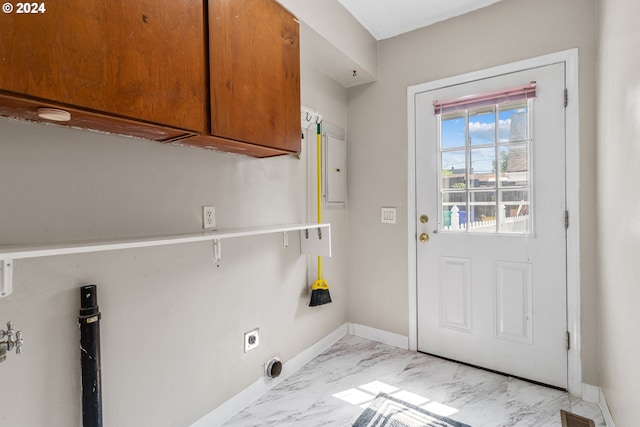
(208, 217)
(251, 340)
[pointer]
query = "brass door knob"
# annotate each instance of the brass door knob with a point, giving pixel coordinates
(424, 219)
(424, 237)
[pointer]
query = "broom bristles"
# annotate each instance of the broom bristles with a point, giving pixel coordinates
(319, 297)
(319, 293)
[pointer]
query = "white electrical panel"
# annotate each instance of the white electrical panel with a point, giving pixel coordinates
(335, 170)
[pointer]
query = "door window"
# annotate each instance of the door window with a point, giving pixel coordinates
(485, 174)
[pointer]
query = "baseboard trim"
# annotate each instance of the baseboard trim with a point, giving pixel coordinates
(379, 335)
(241, 400)
(608, 419)
(594, 394)
(590, 393)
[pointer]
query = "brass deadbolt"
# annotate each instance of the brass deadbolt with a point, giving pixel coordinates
(424, 219)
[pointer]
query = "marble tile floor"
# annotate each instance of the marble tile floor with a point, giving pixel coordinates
(335, 387)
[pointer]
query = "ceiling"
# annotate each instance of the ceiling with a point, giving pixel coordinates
(389, 18)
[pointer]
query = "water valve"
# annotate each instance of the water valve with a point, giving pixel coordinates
(14, 341)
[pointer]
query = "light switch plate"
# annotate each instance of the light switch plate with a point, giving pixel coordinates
(388, 215)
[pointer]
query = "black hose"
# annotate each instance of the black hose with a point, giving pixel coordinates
(89, 320)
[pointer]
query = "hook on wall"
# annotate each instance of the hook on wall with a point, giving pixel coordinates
(309, 117)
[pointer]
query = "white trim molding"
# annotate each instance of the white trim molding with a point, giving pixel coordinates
(570, 58)
(379, 335)
(231, 407)
(590, 393)
(594, 394)
(608, 419)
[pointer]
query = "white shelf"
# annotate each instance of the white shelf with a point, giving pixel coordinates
(9, 253)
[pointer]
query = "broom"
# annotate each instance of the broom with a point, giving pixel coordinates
(320, 288)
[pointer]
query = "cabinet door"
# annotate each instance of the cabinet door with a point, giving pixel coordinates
(255, 73)
(142, 59)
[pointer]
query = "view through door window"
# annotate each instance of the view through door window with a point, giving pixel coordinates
(485, 168)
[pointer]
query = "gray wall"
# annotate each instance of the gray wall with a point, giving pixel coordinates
(619, 208)
(173, 321)
(505, 32)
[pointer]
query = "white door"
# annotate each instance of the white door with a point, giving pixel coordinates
(490, 199)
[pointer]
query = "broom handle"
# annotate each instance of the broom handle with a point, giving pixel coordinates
(319, 172)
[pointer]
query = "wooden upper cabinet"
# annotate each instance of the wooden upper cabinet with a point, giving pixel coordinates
(219, 74)
(134, 59)
(254, 57)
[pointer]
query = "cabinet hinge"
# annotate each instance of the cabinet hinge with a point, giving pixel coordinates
(566, 219)
(566, 98)
(568, 340)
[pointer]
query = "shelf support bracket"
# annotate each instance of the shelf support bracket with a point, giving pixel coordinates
(6, 283)
(285, 239)
(217, 250)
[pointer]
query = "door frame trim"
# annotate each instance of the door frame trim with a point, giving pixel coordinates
(570, 58)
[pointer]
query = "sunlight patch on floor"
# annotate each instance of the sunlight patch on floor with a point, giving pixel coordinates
(364, 394)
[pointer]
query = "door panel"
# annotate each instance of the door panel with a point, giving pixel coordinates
(514, 309)
(455, 291)
(492, 281)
